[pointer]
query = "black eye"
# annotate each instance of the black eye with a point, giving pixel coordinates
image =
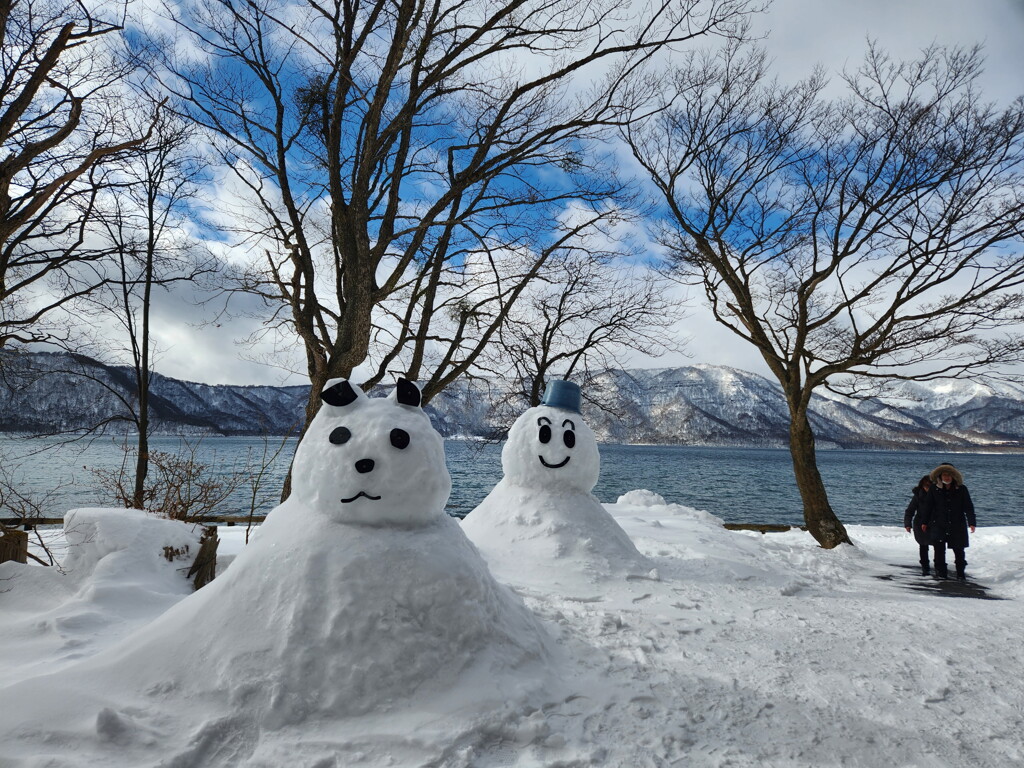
(400, 438)
(545, 433)
(340, 436)
(569, 438)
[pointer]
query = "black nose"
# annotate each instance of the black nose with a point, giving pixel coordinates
(364, 465)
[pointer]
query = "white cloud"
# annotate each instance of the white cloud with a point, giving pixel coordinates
(802, 33)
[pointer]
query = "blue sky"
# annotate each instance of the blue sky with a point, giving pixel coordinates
(800, 34)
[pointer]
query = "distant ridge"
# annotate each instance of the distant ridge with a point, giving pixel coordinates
(46, 392)
(692, 405)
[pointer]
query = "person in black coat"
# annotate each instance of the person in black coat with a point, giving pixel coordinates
(946, 513)
(912, 520)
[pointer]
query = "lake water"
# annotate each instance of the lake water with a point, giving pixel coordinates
(753, 485)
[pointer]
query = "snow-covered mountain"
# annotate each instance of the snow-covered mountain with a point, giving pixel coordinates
(59, 392)
(715, 405)
(691, 405)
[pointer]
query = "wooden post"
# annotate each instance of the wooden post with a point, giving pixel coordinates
(14, 546)
(204, 568)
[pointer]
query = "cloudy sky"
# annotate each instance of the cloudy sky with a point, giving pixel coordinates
(832, 32)
(800, 34)
(803, 33)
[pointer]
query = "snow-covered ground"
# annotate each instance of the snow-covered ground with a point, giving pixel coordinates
(361, 626)
(749, 650)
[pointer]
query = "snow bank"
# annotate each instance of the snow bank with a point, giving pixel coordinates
(115, 576)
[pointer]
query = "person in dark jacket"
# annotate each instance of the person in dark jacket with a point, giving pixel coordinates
(946, 513)
(912, 520)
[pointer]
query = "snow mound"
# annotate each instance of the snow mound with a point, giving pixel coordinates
(730, 658)
(114, 578)
(641, 502)
(641, 498)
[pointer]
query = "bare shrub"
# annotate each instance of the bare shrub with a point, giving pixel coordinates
(179, 485)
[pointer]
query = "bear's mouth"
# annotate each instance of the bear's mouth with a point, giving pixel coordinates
(363, 494)
(562, 463)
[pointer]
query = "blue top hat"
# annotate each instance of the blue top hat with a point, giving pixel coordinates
(562, 394)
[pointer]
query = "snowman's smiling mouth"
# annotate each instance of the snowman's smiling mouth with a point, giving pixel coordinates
(562, 463)
(364, 494)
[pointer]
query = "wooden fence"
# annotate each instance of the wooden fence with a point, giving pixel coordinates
(14, 546)
(14, 542)
(29, 523)
(762, 527)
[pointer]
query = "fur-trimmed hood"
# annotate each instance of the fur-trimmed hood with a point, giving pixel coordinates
(957, 477)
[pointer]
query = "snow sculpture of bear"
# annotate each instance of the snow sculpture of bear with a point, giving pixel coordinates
(543, 510)
(357, 597)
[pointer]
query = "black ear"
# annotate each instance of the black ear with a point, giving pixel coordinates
(339, 395)
(408, 393)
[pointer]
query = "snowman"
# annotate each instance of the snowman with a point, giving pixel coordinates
(358, 597)
(542, 514)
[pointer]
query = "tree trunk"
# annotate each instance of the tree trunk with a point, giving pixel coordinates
(821, 521)
(536, 392)
(142, 360)
(141, 466)
(319, 376)
(142, 457)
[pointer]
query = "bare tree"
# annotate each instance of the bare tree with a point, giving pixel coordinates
(448, 318)
(585, 313)
(62, 124)
(145, 222)
(874, 236)
(394, 147)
